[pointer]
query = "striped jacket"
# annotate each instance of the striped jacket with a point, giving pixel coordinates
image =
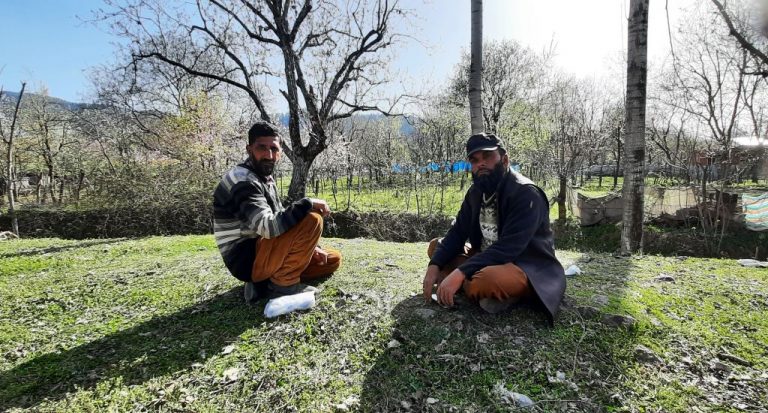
(245, 208)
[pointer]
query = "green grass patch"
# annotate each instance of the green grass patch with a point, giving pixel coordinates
(158, 324)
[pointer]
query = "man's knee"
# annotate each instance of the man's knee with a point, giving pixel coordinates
(432, 247)
(312, 223)
(498, 281)
(314, 218)
(334, 260)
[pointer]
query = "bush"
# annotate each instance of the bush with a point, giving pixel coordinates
(196, 217)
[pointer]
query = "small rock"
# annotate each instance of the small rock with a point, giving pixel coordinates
(406, 405)
(721, 367)
(231, 374)
(425, 313)
(431, 400)
(673, 316)
(616, 320)
(483, 338)
(600, 300)
(351, 401)
(645, 355)
(510, 397)
(665, 278)
(568, 301)
(228, 349)
(393, 344)
(558, 378)
(587, 311)
(735, 359)
(753, 263)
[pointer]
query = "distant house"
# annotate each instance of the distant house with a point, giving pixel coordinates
(751, 153)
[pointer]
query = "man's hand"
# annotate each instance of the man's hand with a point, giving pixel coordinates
(430, 278)
(321, 207)
(320, 257)
(448, 288)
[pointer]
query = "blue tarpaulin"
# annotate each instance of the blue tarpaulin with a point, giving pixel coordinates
(454, 167)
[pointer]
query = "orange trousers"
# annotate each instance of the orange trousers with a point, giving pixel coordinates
(289, 258)
(494, 281)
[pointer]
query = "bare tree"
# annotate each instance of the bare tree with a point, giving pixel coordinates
(8, 139)
(573, 112)
(716, 99)
(634, 142)
(749, 28)
(512, 75)
(48, 126)
(476, 68)
(326, 59)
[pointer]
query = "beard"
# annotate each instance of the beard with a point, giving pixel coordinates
(490, 181)
(263, 167)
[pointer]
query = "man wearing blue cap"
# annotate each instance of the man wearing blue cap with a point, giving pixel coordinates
(510, 256)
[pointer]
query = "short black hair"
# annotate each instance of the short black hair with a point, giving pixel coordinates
(260, 129)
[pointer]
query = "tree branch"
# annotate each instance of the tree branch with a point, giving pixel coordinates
(739, 37)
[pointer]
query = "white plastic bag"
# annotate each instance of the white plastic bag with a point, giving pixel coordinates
(573, 270)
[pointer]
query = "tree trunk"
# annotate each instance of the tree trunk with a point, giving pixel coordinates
(51, 184)
(476, 68)
(618, 160)
(297, 189)
(561, 198)
(634, 143)
(9, 159)
(79, 187)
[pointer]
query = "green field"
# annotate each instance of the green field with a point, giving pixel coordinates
(157, 324)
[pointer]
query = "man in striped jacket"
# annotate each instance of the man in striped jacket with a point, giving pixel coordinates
(270, 247)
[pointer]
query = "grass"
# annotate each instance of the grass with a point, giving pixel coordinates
(158, 324)
(425, 197)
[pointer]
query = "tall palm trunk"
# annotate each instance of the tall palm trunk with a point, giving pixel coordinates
(634, 143)
(476, 68)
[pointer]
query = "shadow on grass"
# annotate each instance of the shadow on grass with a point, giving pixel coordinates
(159, 346)
(461, 360)
(51, 250)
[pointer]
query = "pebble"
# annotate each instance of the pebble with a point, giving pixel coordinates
(616, 320)
(645, 355)
(425, 313)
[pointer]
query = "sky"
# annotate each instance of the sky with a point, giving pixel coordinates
(47, 43)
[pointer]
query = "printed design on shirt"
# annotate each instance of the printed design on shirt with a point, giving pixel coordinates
(489, 222)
